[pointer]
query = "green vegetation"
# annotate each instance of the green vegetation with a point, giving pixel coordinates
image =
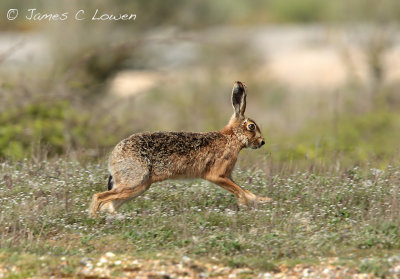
(341, 133)
(54, 128)
(352, 138)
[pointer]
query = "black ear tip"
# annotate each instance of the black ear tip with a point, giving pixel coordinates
(239, 86)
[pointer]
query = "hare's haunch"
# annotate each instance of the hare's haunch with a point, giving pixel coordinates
(145, 158)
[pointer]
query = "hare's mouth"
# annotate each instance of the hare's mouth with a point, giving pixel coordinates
(260, 145)
(256, 146)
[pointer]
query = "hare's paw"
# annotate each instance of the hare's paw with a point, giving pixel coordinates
(108, 207)
(93, 207)
(243, 201)
(264, 200)
(92, 214)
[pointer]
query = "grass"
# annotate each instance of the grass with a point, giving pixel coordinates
(351, 215)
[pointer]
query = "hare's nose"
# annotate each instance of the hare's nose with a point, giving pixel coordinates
(262, 142)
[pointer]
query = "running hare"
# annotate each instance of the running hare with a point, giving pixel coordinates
(145, 158)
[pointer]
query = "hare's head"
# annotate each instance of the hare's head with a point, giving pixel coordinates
(244, 128)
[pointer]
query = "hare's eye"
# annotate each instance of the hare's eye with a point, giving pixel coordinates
(251, 127)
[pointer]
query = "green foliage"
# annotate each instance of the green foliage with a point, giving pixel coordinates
(378, 267)
(21, 129)
(54, 128)
(299, 11)
(352, 138)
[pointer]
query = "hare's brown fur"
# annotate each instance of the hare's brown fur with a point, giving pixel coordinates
(145, 158)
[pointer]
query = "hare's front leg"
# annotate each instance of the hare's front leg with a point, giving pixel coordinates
(244, 197)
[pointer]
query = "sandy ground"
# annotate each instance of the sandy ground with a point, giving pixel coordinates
(301, 57)
(110, 265)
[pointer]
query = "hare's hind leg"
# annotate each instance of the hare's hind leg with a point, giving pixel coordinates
(128, 184)
(113, 199)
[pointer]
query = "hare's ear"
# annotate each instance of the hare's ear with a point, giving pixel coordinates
(239, 93)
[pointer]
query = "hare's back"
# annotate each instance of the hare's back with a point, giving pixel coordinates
(166, 144)
(168, 154)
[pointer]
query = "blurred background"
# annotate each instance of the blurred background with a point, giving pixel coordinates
(323, 77)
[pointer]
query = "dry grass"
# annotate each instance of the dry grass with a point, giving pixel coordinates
(350, 214)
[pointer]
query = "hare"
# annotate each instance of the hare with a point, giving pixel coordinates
(142, 159)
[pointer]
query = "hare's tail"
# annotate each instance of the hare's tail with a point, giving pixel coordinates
(110, 182)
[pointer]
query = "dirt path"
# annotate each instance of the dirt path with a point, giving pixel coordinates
(112, 266)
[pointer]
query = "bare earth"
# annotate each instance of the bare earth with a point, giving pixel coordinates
(110, 265)
(187, 268)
